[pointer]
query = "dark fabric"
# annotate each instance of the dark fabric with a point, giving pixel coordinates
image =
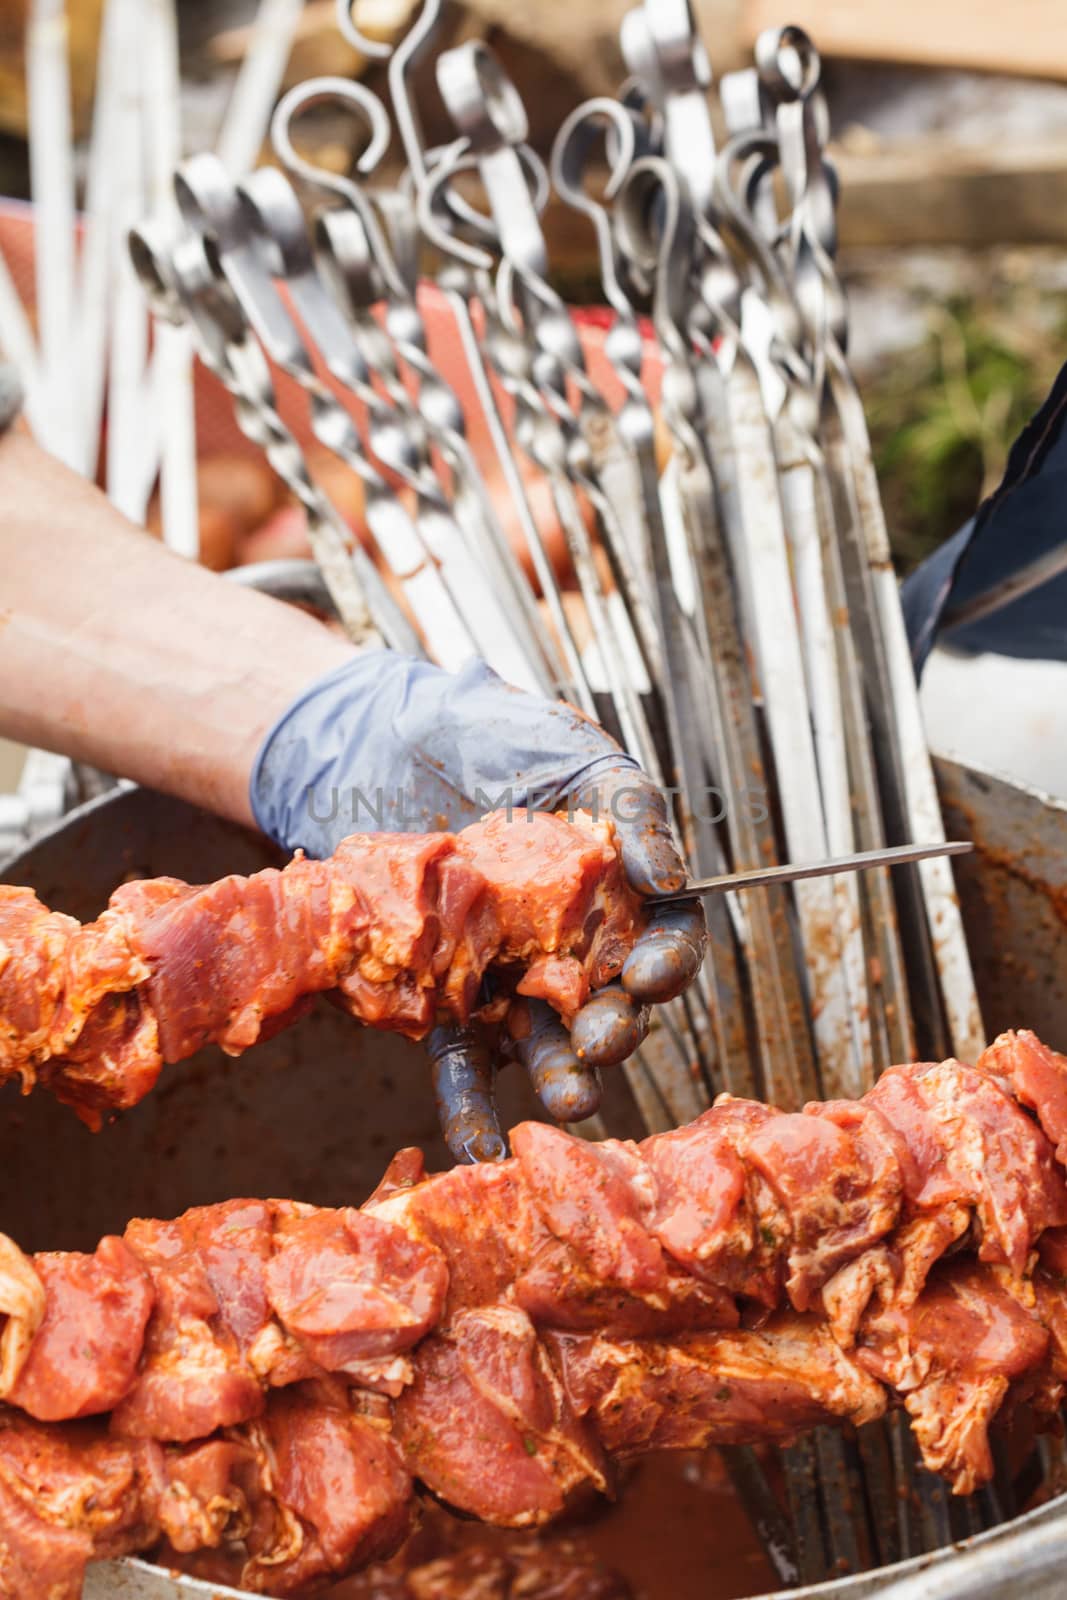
(1023, 519)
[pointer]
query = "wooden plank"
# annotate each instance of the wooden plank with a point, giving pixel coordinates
(1028, 37)
(934, 193)
(929, 192)
(318, 46)
(83, 32)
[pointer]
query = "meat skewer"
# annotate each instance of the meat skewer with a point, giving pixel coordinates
(402, 928)
(502, 1333)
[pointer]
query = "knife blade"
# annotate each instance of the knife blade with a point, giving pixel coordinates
(860, 861)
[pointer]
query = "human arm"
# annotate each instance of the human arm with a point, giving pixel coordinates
(115, 652)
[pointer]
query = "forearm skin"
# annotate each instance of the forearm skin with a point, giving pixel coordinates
(115, 652)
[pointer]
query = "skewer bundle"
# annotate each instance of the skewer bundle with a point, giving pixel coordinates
(740, 628)
(746, 639)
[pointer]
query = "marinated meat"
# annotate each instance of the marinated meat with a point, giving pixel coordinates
(303, 1495)
(268, 1378)
(401, 928)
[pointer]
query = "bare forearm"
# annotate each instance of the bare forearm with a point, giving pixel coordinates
(115, 652)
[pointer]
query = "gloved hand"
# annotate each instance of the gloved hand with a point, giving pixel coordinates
(390, 743)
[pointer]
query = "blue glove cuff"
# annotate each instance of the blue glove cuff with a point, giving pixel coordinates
(389, 743)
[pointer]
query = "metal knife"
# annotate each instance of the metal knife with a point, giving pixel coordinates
(894, 855)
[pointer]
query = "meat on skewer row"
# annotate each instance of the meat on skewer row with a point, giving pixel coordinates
(401, 928)
(250, 1391)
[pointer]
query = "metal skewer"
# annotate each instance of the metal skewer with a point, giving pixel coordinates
(182, 286)
(458, 287)
(794, 872)
(789, 66)
(489, 115)
(532, 345)
(694, 722)
(226, 214)
(666, 52)
(722, 684)
(542, 435)
(807, 339)
(361, 265)
(846, 766)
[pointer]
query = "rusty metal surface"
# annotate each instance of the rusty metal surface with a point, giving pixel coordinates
(1013, 892)
(316, 1111)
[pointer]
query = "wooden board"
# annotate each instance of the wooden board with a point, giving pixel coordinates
(935, 193)
(926, 193)
(318, 46)
(83, 31)
(1015, 36)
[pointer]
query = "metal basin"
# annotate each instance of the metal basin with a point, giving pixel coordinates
(316, 1111)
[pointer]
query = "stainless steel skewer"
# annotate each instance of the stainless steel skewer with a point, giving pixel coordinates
(542, 436)
(795, 872)
(362, 266)
(788, 79)
(397, 437)
(738, 445)
(533, 332)
(720, 672)
(182, 286)
(789, 66)
(403, 58)
(225, 213)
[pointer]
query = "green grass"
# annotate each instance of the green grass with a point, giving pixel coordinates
(943, 415)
